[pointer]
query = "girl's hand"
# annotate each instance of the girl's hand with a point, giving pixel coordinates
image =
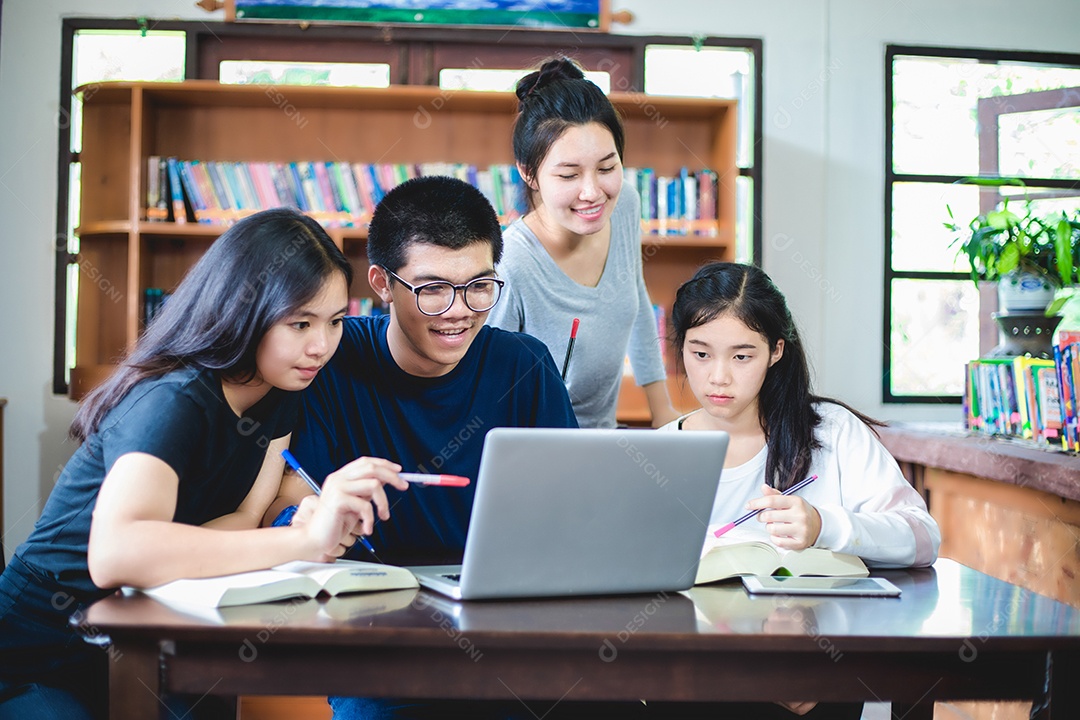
(792, 522)
(344, 511)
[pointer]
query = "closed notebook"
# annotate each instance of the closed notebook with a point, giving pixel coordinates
(761, 558)
(294, 579)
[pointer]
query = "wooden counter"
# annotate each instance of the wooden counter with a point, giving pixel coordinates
(947, 446)
(1009, 509)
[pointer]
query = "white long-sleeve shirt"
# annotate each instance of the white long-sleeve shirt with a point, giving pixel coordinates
(867, 507)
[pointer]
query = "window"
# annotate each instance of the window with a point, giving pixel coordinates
(251, 72)
(953, 115)
(100, 55)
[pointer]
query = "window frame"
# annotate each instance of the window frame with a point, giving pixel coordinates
(414, 53)
(892, 178)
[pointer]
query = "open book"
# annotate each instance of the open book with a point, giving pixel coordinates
(761, 558)
(294, 579)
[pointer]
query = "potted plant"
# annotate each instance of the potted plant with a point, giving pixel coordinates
(1030, 258)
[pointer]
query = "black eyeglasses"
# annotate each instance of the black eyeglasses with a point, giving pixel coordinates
(436, 297)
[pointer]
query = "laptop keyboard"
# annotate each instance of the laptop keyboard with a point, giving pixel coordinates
(456, 577)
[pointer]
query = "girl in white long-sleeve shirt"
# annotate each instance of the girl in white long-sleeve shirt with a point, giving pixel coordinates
(746, 365)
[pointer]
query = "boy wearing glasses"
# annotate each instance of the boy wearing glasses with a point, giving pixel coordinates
(423, 384)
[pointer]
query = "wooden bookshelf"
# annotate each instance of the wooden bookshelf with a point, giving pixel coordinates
(122, 254)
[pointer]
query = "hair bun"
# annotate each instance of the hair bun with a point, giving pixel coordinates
(554, 70)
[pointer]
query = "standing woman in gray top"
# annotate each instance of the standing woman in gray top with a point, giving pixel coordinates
(577, 251)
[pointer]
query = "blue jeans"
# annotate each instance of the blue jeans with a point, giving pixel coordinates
(46, 669)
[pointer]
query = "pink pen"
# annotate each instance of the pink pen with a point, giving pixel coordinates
(797, 486)
(435, 479)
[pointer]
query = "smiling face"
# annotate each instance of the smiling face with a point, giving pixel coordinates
(428, 346)
(296, 347)
(579, 180)
(726, 363)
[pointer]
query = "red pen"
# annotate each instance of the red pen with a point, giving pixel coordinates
(435, 479)
(570, 347)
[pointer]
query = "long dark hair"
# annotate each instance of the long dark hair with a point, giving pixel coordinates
(259, 271)
(550, 100)
(786, 400)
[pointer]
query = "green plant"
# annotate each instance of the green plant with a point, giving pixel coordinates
(1063, 235)
(1000, 242)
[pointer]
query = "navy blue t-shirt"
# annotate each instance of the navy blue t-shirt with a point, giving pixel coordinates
(363, 404)
(183, 419)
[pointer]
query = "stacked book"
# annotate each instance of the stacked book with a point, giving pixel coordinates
(1027, 397)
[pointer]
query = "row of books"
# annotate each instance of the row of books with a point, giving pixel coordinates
(682, 205)
(341, 194)
(1025, 397)
(337, 194)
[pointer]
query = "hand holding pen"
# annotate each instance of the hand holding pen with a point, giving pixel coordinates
(349, 494)
(792, 522)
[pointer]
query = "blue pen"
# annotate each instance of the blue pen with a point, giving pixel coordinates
(289, 458)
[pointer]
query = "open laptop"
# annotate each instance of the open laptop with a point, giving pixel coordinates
(566, 512)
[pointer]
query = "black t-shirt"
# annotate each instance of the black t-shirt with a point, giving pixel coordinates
(183, 419)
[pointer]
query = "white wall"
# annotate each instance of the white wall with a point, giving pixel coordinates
(35, 421)
(823, 191)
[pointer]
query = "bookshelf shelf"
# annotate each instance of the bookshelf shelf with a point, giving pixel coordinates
(104, 227)
(124, 124)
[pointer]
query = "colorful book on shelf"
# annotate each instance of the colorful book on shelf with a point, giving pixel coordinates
(330, 207)
(312, 191)
(342, 178)
(294, 579)
(266, 194)
(247, 186)
(281, 178)
(176, 193)
(1072, 366)
(364, 188)
(215, 210)
(157, 189)
(1064, 398)
(221, 190)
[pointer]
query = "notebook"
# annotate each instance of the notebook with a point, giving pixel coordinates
(570, 512)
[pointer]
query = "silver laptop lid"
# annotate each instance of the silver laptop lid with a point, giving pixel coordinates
(562, 512)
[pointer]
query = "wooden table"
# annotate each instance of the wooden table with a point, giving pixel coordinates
(954, 634)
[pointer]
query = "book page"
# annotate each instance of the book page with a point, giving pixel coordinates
(819, 561)
(732, 560)
(352, 575)
(237, 589)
